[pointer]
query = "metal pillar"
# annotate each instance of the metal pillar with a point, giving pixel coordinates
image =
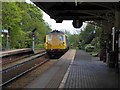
(106, 33)
(117, 29)
(7, 41)
(103, 44)
(33, 42)
(109, 52)
(33, 39)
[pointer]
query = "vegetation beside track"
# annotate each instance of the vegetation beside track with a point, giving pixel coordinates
(20, 18)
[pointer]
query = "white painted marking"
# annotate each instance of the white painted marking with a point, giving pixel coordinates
(67, 73)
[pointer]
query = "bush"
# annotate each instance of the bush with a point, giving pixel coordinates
(89, 48)
(40, 46)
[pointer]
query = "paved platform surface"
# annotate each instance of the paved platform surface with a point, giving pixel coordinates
(53, 76)
(10, 52)
(77, 69)
(89, 72)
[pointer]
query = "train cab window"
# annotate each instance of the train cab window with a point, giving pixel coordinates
(49, 37)
(61, 37)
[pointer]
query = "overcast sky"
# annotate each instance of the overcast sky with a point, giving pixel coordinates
(65, 25)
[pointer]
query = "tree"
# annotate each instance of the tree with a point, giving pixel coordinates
(11, 16)
(21, 18)
(91, 36)
(87, 35)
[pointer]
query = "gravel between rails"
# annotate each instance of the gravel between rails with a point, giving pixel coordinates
(21, 82)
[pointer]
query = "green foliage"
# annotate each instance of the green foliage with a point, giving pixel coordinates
(87, 35)
(89, 48)
(11, 16)
(89, 38)
(74, 40)
(21, 18)
(40, 46)
(67, 33)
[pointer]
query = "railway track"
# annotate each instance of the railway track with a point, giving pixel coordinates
(16, 56)
(14, 71)
(21, 59)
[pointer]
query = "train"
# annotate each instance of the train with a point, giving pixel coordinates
(56, 43)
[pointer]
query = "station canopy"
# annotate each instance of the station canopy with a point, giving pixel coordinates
(83, 10)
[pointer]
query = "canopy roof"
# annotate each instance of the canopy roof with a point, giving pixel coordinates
(84, 11)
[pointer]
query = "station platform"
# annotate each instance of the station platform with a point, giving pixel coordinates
(14, 51)
(77, 69)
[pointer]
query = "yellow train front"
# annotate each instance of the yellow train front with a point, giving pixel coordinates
(56, 43)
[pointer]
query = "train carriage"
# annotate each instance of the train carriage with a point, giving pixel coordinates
(56, 43)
